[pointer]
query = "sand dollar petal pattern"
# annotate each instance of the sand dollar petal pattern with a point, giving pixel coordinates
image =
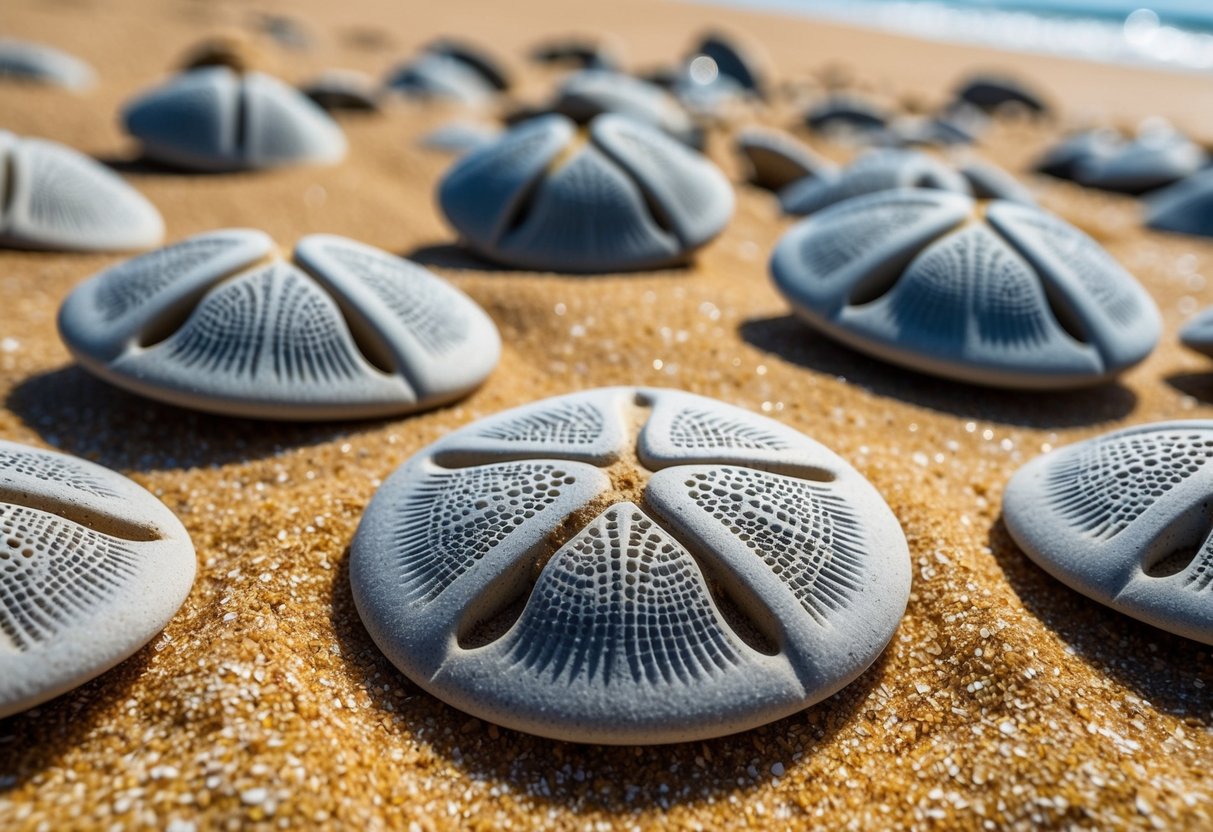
(629, 566)
(220, 323)
(1123, 518)
(91, 568)
(877, 170)
(62, 200)
(1009, 297)
(215, 119)
(623, 196)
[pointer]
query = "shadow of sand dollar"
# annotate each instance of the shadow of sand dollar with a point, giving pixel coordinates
(1172, 673)
(588, 778)
(76, 413)
(455, 256)
(795, 342)
(1197, 385)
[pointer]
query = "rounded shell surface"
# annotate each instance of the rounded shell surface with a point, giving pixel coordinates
(91, 568)
(1123, 518)
(1185, 207)
(629, 566)
(219, 323)
(62, 200)
(215, 119)
(876, 170)
(618, 196)
(25, 61)
(1000, 294)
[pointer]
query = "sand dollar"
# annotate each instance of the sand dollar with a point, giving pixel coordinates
(585, 95)
(56, 198)
(876, 170)
(617, 196)
(220, 322)
(1123, 518)
(1185, 207)
(777, 158)
(91, 568)
(629, 566)
(993, 293)
(1197, 333)
(218, 120)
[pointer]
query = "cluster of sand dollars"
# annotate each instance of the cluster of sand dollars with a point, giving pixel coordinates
(701, 569)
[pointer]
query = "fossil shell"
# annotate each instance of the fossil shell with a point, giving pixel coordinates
(343, 89)
(777, 158)
(91, 568)
(592, 92)
(627, 197)
(992, 92)
(218, 323)
(624, 637)
(1185, 207)
(59, 199)
(1124, 519)
(1011, 297)
(215, 119)
(25, 61)
(876, 170)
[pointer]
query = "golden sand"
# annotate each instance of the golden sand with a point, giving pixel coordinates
(1004, 699)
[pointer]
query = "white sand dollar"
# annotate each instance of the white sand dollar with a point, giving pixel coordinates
(25, 61)
(619, 196)
(220, 323)
(91, 568)
(215, 119)
(629, 566)
(440, 77)
(58, 199)
(590, 93)
(992, 293)
(876, 170)
(1154, 159)
(1123, 518)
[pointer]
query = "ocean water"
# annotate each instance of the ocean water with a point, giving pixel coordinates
(1171, 34)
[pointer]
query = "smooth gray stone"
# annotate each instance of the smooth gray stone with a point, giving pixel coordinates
(734, 61)
(61, 200)
(1185, 207)
(875, 170)
(628, 197)
(460, 137)
(33, 62)
(219, 323)
(1154, 159)
(846, 112)
(992, 92)
(214, 119)
(1064, 159)
(92, 567)
(1123, 518)
(593, 92)
(1007, 297)
(634, 501)
(343, 89)
(777, 158)
(1197, 333)
(988, 181)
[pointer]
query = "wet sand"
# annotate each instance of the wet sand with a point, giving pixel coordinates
(1004, 699)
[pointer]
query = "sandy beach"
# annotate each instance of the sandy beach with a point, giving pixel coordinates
(1004, 700)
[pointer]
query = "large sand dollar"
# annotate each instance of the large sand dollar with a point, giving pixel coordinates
(1124, 519)
(91, 568)
(994, 293)
(618, 196)
(629, 566)
(220, 322)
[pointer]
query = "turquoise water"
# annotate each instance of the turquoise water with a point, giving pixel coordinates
(1172, 34)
